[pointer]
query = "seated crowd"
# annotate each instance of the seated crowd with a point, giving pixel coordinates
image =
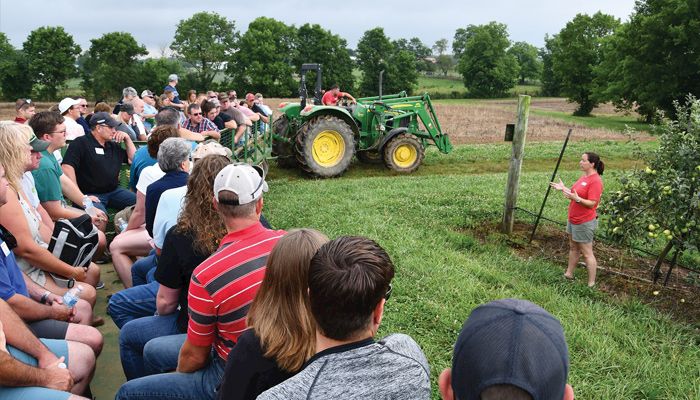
(216, 303)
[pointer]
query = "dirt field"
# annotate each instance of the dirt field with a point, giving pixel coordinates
(627, 275)
(479, 122)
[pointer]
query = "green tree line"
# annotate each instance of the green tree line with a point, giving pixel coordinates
(209, 53)
(644, 64)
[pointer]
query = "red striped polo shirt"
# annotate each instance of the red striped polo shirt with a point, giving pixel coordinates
(224, 285)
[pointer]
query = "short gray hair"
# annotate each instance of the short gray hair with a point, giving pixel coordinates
(167, 117)
(129, 92)
(172, 152)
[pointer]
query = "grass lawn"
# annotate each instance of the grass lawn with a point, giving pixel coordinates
(619, 349)
(612, 122)
(440, 85)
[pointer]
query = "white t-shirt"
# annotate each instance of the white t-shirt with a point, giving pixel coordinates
(29, 189)
(73, 129)
(148, 175)
(169, 208)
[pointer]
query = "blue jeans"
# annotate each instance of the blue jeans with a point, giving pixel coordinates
(57, 347)
(134, 336)
(196, 386)
(117, 199)
(134, 302)
(160, 354)
(143, 270)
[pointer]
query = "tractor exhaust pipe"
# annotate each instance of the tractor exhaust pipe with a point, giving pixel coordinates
(381, 75)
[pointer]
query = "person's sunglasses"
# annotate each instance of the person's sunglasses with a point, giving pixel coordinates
(24, 103)
(388, 293)
(196, 114)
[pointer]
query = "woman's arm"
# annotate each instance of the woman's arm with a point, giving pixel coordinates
(167, 300)
(138, 217)
(12, 218)
(559, 186)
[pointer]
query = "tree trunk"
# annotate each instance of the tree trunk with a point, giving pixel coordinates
(655, 272)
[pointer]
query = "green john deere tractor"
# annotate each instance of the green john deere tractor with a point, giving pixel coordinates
(393, 129)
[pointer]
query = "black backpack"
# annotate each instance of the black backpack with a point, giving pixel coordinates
(74, 241)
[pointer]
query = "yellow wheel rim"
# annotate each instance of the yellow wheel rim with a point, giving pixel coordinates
(405, 156)
(328, 148)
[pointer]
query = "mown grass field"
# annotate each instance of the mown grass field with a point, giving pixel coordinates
(453, 86)
(619, 349)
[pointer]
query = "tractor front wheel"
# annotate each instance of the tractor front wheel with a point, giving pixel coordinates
(325, 146)
(403, 153)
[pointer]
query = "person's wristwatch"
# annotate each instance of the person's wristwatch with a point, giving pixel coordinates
(578, 200)
(44, 297)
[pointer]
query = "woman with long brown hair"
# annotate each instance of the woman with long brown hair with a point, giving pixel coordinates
(283, 334)
(195, 237)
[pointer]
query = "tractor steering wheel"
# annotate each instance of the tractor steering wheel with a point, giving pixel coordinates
(345, 102)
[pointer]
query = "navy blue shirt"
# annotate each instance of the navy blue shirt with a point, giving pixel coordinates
(176, 99)
(11, 279)
(170, 180)
(84, 124)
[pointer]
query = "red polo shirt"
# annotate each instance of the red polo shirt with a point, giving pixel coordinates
(224, 285)
(589, 188)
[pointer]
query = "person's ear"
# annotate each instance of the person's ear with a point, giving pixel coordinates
(259, 206)
(568, 392)
(216, 203)
(377, 316)
(445, 384)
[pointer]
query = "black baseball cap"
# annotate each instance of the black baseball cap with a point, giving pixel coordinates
(511, 342)
(103, 118)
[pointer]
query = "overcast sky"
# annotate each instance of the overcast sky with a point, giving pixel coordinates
(153, 23)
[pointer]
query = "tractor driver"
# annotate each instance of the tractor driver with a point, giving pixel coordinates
(331, 97)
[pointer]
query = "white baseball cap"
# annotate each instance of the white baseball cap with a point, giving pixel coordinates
(67, 103)
(245, 180)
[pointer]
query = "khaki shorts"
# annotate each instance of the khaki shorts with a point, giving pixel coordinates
(582, 233)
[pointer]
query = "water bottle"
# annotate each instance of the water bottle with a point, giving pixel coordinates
(122, 224)
(71, 297)
(88, 206)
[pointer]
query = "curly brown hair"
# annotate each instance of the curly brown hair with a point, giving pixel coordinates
(158, 136)
(198, 216)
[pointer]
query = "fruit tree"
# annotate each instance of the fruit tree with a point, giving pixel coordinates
(662, 201)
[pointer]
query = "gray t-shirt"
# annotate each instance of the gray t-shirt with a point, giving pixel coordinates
(393, 368)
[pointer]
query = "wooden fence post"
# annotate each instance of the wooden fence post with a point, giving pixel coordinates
(516, 161)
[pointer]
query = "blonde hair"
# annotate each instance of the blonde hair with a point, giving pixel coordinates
(14, 154)
(280, 313)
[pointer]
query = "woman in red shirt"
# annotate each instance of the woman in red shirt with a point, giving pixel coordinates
(582, 220)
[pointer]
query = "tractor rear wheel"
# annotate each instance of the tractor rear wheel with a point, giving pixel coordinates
(284, 151)
(325, 146)
(403, 153)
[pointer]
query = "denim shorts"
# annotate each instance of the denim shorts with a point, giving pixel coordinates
(582, 233)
